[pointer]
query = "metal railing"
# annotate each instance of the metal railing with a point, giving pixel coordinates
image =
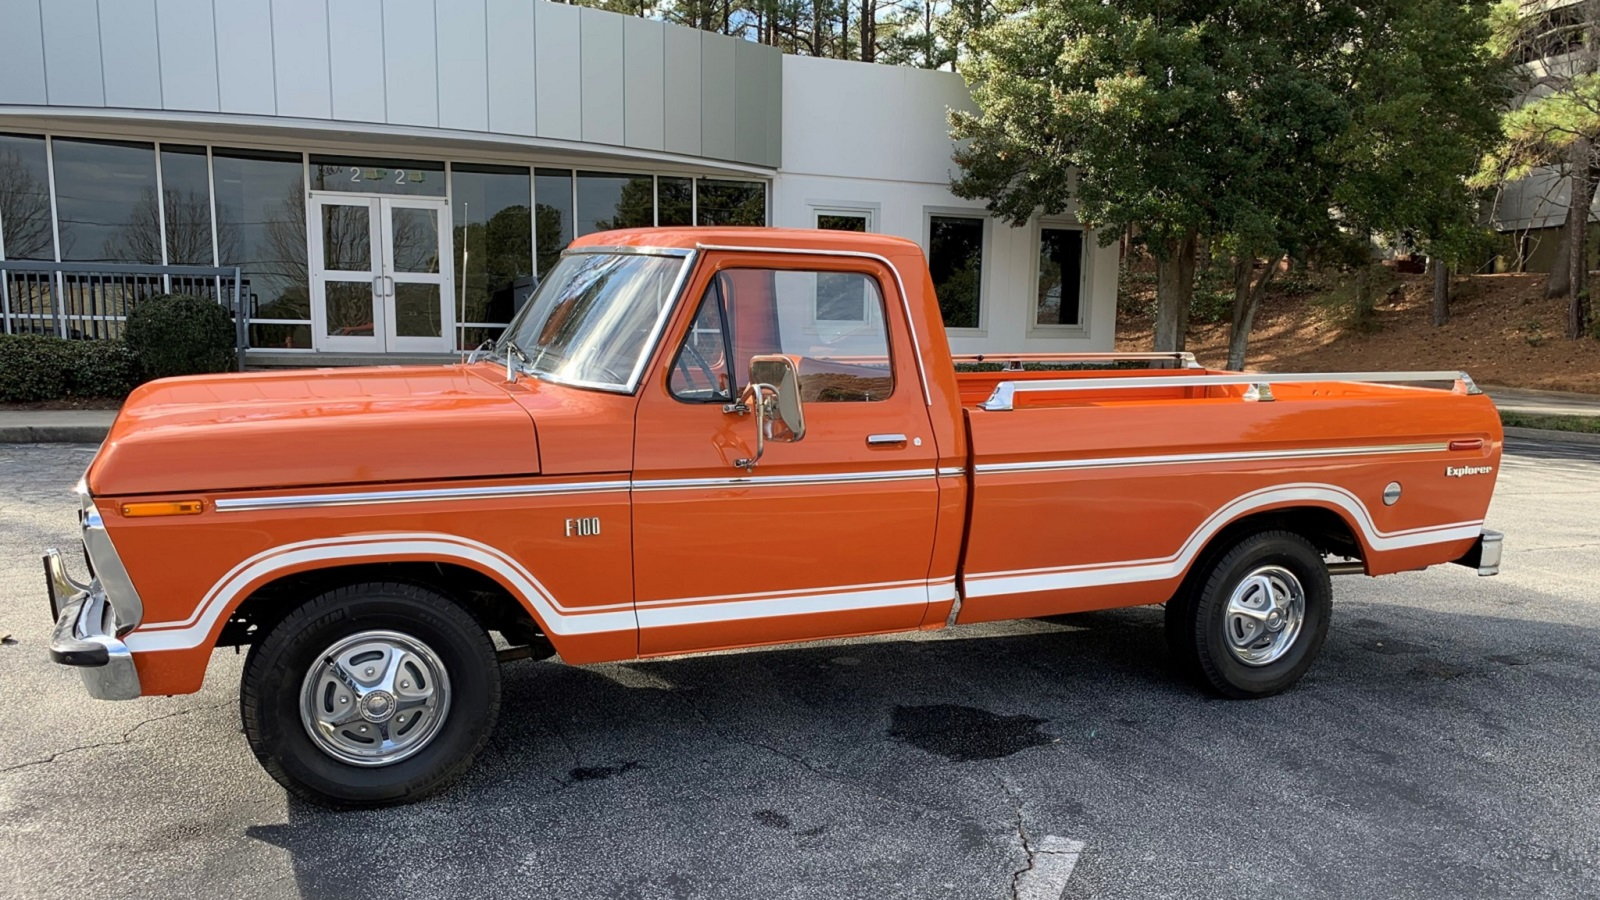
(91, 301)
(1260, 383)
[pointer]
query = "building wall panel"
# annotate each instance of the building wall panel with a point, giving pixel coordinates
(463, 64)
(644, 79)
(246, 46)
(300, 58)
(511, 72)
(557, 79)
(22, 63)
(717, 96)
(129, 53)
(72, 53)
(411, 62)
(356, 68)
(186, 30)
(681, 85)
(601, 68)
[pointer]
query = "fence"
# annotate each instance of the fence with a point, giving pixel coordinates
(90, 301)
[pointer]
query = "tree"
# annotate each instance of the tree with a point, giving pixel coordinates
(1236, 122)
(1555, 126)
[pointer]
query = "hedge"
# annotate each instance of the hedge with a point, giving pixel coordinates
(176, 334)
(34, 368)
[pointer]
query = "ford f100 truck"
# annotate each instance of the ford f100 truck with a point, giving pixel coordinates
(693, 439)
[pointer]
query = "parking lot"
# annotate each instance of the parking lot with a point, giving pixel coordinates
(1446, 745)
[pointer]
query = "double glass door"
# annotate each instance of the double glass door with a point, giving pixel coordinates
(380, 274)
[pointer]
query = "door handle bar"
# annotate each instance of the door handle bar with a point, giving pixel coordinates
(885, 440)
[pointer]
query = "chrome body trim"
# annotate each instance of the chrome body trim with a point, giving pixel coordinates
(682, 484)
(1051, 465)
(109, 572)
(421, 495)
(1184, 358)
(86, 638)
(630, 250)
(1004, 395)
(952, 471)
(1485, 553)
(905, 300)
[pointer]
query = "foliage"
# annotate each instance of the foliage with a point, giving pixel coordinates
(36, 368)
(1584, 424)
(176, 334)
(1352, 303)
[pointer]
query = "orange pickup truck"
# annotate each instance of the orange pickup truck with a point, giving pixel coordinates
(696, 439)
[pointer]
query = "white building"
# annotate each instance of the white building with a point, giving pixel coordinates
(370, 167)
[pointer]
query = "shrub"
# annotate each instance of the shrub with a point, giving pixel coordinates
(175, 334)
(34, 368)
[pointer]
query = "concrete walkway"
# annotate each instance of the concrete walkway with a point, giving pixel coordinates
(89, 426)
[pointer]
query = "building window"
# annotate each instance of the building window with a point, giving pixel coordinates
(106, 203)
(492, 246)
(25, 230)
(261, 228)
(607, 201)
(552, 215)
(377, 176)
(730, 202)
(770, 311)
(955, 260)
(1060, 295)
(844, 220)
(674, 200)
(186, 205)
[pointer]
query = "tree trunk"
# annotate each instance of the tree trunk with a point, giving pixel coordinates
(869, 39)
(1441, 292)
(1558, 284)
(1582, 199)
(1174, 290)
(1247, 295)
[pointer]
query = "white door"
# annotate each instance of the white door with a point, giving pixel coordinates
(380, 274)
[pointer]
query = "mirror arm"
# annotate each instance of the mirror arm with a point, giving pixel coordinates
(754, 399)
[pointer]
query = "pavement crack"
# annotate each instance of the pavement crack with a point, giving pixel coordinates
(1022, 836)
(127, 736)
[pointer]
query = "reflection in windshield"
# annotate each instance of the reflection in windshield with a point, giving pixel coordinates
(591, 319)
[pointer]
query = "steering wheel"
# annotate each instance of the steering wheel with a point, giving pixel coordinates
(700, 362)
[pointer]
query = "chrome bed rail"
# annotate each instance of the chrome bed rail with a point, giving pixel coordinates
(1014, 361)
(1004, 395)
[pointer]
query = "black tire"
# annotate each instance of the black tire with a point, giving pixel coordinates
(276, 669)
(1197, 620)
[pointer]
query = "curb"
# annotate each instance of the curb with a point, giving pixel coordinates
(1545, 434)
(53, 434)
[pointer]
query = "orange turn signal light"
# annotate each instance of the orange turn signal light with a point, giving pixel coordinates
(163, 508)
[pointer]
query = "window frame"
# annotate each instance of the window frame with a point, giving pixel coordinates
(984, 255)
(1085, 279)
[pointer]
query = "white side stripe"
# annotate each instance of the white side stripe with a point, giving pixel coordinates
(1105, 462)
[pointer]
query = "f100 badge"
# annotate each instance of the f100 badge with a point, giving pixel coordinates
(588, 526)
(1464, 471)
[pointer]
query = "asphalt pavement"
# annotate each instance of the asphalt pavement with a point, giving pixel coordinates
(1446, 745)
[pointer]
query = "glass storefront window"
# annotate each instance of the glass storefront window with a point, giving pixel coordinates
(674, 200)
(261, 227)
(186, 198)
(552, 199)
(106, 204)
(25, 231)
(377, 176)
(607, 201)
(731, 202)
(492, 224)
(955, 260)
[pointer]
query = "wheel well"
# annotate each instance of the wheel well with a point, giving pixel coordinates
(486, 599)
(1325, 529)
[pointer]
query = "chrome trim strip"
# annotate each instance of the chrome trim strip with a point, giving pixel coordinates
(1052, 465)
(422, 495)
(1003, 397)
(952, 471)
(905, 301)
(682, 484)
(630, 249)
(109, 572)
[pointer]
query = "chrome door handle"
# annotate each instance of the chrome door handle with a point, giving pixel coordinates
(884, 440)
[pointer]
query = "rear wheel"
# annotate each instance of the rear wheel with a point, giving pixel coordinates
(370, 695)
(1254, 621)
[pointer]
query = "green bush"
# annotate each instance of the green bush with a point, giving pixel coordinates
(35, 368)
(175, 334)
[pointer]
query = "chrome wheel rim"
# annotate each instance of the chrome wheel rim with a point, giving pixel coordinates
(375, 698)
(1264, 615)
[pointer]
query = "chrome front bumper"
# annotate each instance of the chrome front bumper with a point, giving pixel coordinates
(86, 634)
(1485, 554)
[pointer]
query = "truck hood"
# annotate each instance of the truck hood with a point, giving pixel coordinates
(313, 427)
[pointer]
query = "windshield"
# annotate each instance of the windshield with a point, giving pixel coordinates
(592, 319)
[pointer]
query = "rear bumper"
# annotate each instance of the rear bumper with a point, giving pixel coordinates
(1485, 553)
(86, 635)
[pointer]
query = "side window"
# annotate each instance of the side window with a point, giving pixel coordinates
(700, 372)
(750, 312)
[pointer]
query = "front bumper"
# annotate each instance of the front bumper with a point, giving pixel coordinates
(1485, 553)
(86, 634)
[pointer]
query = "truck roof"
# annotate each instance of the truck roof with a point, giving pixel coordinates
(779, 238)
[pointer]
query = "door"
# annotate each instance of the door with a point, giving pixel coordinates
(380, 274)
(828, 536)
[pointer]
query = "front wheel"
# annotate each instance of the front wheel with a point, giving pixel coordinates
(370, 695)
(1253, 623)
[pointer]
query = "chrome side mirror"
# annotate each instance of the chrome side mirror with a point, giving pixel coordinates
(773, 394)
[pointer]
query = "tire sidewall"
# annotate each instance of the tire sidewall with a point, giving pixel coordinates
(280, 664)
(1226, 673)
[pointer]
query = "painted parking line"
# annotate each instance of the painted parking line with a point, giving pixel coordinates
(1053, 858)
